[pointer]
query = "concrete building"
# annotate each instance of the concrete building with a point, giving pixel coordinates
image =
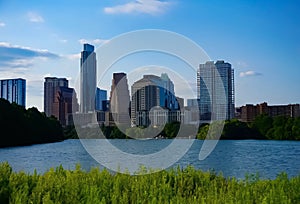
(214, 82)
(13, 90)
(88, 79)
(120, 99)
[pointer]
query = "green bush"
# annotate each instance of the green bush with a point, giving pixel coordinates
(169, 186)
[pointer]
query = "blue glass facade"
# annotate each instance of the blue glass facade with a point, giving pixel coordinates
(215, 90)
(88, 75)
(101, 99)
(14, 90)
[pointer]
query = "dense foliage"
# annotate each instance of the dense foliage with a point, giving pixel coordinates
(169, 186)
(263, 127)
(23, 127)
(170, 130)
(278, 128)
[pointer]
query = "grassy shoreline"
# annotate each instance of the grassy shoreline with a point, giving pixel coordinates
(169, 186)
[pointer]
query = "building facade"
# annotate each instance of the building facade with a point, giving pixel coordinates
(249, 112)
(88, 79)
(14, 90)
(59, 100)
(194, 102)
(119, 102)
(149, 93)
(101, 100)
(215, 90)
(51, 85)
(180, 103)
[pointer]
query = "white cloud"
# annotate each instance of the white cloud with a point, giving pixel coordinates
(2, 24)
(249, 73)
(94, 42)
(63, 41)
(151, 7)
(26, 51)
(5, 44)
(20, 63)
(35, 18)
(73, 56)
(15, 56)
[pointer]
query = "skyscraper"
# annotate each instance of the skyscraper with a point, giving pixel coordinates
(193, 102)
(59, 99)
(101, 99)
(13, 90)
(120, 99)
(148, 92)
(51, 85)
(88, 66)
(215, 90)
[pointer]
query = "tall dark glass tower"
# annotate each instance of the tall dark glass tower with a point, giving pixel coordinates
(88, 75)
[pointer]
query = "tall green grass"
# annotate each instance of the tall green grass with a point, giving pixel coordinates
(170, 186)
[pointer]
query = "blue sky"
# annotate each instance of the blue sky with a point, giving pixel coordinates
(259, 38)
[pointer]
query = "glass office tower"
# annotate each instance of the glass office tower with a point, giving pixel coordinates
(88, 76)
(13, 90)
(214, 82)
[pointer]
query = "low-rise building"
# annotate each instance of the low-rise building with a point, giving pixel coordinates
(249, 112)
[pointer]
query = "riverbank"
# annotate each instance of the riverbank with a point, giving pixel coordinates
(175, 185)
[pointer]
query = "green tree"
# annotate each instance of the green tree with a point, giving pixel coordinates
(262, 123)
(171, 129)
(202, 132)
(235, 129)
(26, 126)
(296, 129)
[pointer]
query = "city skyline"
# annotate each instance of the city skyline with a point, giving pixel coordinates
(259, 39)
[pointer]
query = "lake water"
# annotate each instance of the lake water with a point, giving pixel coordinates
(231, 157)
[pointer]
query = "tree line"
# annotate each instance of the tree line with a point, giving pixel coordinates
(263, 127)
(20, 126)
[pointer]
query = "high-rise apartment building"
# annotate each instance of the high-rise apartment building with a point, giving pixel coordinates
(59, 100)
(215, 90)
(120, 99)
(88, 79)
(13, 90)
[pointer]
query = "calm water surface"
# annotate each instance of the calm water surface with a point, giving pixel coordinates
(231, 157)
